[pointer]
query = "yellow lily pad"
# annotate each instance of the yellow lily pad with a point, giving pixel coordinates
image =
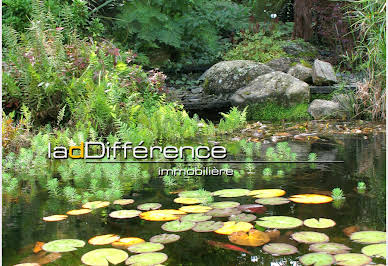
(104, 239)
(311, 198)
(79, 212)
(55, 218)
(104, 256)
(126, 242)
(195, 209)
(187, 200)
(231, 227)
(162, 215)
(95, 204)
(123, 214)
(253, 238)
(267, 193)
(123, 201)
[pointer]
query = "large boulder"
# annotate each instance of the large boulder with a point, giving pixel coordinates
(226, 77)
(277, 87)
(281, 64)
(300, 49)
(301, 72)
(321, 109)
(323, 73)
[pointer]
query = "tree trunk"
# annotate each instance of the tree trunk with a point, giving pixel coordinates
(303, 19)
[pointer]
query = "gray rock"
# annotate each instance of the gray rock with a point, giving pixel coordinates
(281, 64)
(303, 50)
(229, 76)
(301, 72)
(277, 87)
(323, 73)
(320, 109)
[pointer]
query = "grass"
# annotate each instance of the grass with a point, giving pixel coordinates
(274, 112)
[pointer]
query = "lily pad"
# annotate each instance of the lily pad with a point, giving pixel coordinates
(207, 226)
(103, 239)
(279, 249)
(195, 209)
(146, 247)
(253, 208)
(231, 227)
(177, 226)
(104, 256)
(149, 206)
(28, 264)
(368, 237)
(79, 212)
(196, 217)
(272, 201)
(126, 242)
(352, 259)
(161, 215)
(279, 222)
(224, 204)
(123, 214)
(242, 217)
(55, 218)
(195, 194)
(187, 200)
(165, 238)
(267, 193)
(96, 204)
(253, 238)
(375, 250)
(317, 259)
(311, 198)
(330, 248)
(231, 193)
(319, 223)
(223, 212)
(63, 245)
(123, 201)
(147, 259)
(310, 237)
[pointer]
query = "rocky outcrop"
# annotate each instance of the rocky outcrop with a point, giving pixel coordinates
(301, 72)
(226, 77)
(281, 64)
(323, 73)
(303, 50)
(321, 109)
(277, 87)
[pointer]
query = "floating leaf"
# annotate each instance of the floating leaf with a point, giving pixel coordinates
(123, 201)
(279, 222)
(161, 215)
(95, 204)
(267, 193)
(79, 212)
(309, 237)
(224, 204)
(227, 246)
(330, 248)
(55, 218)
(38, 247)
(40, 258)
(165, 238)
(123, 214)
(63, 245)
(195, 194)
(254, 208)
(149, 206)
(104, 256)
(311, 198)
(207, 226)
(146, 259)
(196, 217)
(177, 226)
(195, 209)
(242, 217)
(317, 259)
(272, 201)
(319, 223)
(253, 238)
(368, 237)
(231, 227)
(103, 239)
(223, 212)
(375, 250)
(127, 242)
(279, 249)
(187, 200)
(146, 247)
(28, 264)
(231, 193)
(352, 259)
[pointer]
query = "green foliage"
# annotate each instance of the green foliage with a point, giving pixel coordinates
(337, 194)
(312, 157)
(274, 112)
(267, 171)
(233, 120)
(361, 187)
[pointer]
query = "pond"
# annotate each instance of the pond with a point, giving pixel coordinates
(363, 160)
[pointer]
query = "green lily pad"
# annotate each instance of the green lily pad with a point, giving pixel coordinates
(317, 259)
(146, 247)
(195, 194)
(310, 237)
(279, 222)
(207, 226)
(123, 214)
(375, 250)
(177, 226)
(147, 259)
(272, 201)
(196, 217)
(330, 248)
(165, 238)
(231, 193)
(149, 206)
(224, 204)
(368, 237)
(104, 256)
(242, 217)
(63, 245)
(352, 259)
(319, 223)
(223, 212)
(279, 249)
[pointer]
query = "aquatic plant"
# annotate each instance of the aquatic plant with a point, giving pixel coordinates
(337, 194)
(361, 187)
(280, 173)
(53, 187)
(232, 121)
(249, 166)
(267, 171)
(312, 157)
(257, 148)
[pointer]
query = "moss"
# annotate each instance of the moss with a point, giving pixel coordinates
(275, 112)
(205, 84)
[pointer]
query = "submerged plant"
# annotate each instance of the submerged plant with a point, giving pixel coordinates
(280, 173)
(337, 194)
(361, 187)
(249, 166)
(312, 157)
(267, 171)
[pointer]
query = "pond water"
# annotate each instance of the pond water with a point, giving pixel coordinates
(364, 160)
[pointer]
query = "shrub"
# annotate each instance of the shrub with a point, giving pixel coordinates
(233, 120)
(274, 112)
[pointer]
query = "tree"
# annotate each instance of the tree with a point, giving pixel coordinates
(303, 19)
